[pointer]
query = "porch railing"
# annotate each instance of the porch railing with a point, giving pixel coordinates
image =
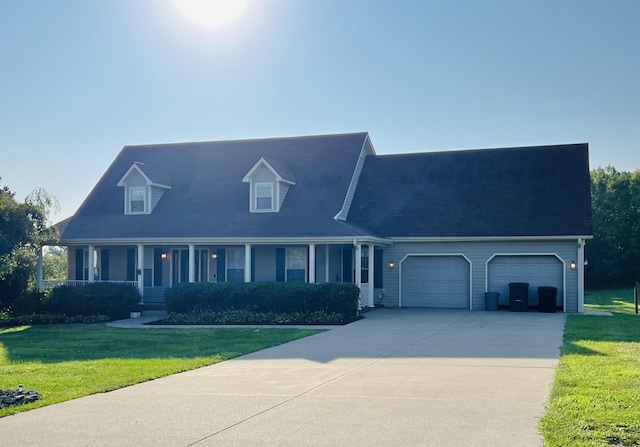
(51, 283)
(364, 295)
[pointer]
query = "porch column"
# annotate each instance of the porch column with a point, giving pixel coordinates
(326, 262)
(192, 263)
(312, 263)
(372, 271)
(91, 261)
(140, 272)
(247, 262)
(358, 263)
(39, 270)
(581, 243)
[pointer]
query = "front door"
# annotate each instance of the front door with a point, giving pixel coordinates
(180, 266)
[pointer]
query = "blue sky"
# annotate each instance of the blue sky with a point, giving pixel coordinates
(81, 79)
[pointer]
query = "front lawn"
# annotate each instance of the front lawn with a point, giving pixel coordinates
(64, 362)
(596, 390)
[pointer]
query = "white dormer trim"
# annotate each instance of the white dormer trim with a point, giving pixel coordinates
(263, 162)
(279, 186)
(134, 166)
(147, 189)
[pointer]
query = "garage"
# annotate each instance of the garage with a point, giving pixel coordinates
(435, 281)
(537, 270)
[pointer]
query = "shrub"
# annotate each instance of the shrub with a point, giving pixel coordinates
(112, 299)
(27, 320)
(247, 317)
(29, 303)
(276, 297)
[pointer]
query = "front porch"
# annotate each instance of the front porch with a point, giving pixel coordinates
(153, 268)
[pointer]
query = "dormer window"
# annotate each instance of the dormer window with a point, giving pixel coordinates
(264, 196)
(269, 182)
(141, 194)
(137, 200)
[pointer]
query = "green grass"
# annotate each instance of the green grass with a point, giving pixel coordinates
(595, 399)
(65, 362)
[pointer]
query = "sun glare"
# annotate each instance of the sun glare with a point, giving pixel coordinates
(211, 13)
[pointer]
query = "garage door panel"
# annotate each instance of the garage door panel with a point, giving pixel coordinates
(435, 281)
(537, 270)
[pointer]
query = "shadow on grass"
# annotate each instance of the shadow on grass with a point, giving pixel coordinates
(581, 331)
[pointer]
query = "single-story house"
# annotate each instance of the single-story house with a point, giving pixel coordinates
(431, 229)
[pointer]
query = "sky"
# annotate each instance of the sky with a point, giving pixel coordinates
(81, 79)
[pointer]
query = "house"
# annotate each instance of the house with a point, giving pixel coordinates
(433, 229)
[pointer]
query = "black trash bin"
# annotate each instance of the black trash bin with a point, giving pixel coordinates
(547, 299)
(491, 300)
(518, 296)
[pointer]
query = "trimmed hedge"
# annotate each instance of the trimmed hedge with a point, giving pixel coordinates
(264, 297)
(231, 317)
(111, 299)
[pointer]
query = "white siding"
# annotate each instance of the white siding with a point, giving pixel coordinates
(479, 254)
(265, 262)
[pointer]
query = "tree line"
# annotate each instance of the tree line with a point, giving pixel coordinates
(614, 251)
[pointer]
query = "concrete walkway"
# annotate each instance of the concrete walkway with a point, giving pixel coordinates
(396, 378)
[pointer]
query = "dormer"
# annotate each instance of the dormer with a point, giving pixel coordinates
(269, 182)
(141, 194)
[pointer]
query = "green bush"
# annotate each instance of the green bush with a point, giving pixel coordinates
(29, 303)
(247, 317)
(264, 297)
(27, 320)
(112, 299)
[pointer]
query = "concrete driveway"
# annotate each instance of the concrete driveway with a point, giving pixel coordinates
(402, 377)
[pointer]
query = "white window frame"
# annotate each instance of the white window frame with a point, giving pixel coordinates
(257, 196)
(293, 262)
(130, 192)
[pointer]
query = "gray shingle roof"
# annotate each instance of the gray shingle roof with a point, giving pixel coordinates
(208, 198)
(529, 191)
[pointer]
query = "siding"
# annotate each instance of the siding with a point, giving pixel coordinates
(262, 175)
(265, 262)
(479, 253)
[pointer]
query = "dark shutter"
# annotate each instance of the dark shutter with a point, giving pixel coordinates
(104, 264)
(79, 264)
(280, 261)
(221, 265)
(157, 267)
(253, 265)
(131, 264)
(347, 263)
(184, 265)
(378, 267)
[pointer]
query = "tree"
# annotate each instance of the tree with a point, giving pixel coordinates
(55, 263)
(614, 252)
(24, 229)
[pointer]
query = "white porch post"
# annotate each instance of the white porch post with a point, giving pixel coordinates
(581, 243)
(247, 262)
(371, 273)
(358, 263)
(326, 262)
(39, 270)
(90, 263)
(192, 263)
(312, 263)
(140, 273)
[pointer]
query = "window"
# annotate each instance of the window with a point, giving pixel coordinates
(235, 264)
(137, 196)
(296, 264)
(264, 196)
(364, 267)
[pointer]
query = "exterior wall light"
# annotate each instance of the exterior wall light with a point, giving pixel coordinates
(392, 265)
(573, 265)
(214, 255)
(163, 256)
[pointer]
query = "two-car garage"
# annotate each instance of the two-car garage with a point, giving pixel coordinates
(444, 281)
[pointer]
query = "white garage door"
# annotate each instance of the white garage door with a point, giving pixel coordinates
(535, 270)
(435, 281)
